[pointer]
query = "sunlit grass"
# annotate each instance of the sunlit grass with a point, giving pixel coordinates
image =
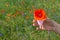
(16, 19)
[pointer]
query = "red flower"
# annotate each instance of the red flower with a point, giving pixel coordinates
(39, 14)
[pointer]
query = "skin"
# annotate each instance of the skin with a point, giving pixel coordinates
(48, 25)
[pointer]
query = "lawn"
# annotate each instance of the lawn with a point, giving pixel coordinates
(16, 19)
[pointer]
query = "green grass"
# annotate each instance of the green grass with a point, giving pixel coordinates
(20, 27)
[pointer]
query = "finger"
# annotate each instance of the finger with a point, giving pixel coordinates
(35, 25)
(43, 28)
(34, 21)
(40, 28)
(37, 28)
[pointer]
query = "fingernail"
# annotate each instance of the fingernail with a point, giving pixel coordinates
(37, 28)
(42, 28)
(33, 24)
(33, 20)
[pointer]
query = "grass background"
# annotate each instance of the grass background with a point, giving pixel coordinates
(16, 19)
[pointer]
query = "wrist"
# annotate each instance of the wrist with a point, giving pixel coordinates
(55, 28)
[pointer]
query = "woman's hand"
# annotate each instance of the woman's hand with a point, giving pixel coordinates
(47, 25)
